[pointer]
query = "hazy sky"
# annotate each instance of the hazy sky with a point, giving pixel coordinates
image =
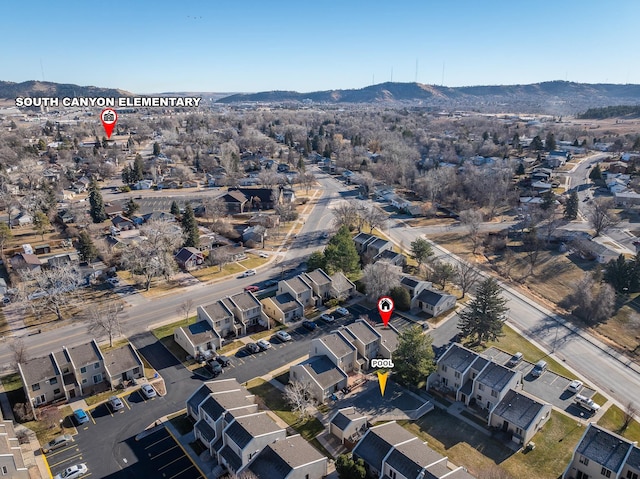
(303, 45)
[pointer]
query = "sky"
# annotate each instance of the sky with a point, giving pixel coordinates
(302, 45)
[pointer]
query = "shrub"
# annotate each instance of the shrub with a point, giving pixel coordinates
(22, 412)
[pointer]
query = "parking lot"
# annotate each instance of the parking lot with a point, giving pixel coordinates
(550, 387)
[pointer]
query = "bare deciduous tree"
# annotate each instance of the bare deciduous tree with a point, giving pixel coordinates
(628, 415)
(466, 276)
(105, 320)
(379, 278)
(600, 215)
(296, 393)
(185, 308)
(219, 256)
(345, 214)
(472, 219)
(18, 350)
(591, 300)
(50, 289)
(374, 217)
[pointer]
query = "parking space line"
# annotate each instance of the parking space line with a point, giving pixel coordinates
(186, 454)
(183, 471)
(61, 450)
(91, 416)
(79, 455)
(124, 400)
(163, 452)
(158, 442)
(169, 463)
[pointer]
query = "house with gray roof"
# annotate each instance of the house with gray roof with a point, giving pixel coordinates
(492, 384)
(289, 458)
(245, 437)
(321, 375)
(390, 256)
(122, 364)
(12, 463)
(197, 339)
(320, 283)
(433, 301)
(361, 240)
(602, 453)
(283, 307)
(341, 287)
(390, 451)
(219, 315)
(299, 288)
(338, 349)
(247, 310)
(520, 415)
(348, 425)
(87, 365)
(42, 380)
(364, 338)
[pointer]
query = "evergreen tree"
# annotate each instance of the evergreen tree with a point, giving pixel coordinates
(86, 248)
(548, 200)
(127, 175)
(49, 200)
(316, 260)
(421, 250)
(485, 315)
(41, 223)
(5, 235)
(137, 172)
(340, 254)
(190, 228)
(401, 298)
(536, 143)
(596, 173)
(175, 209)
(413, 359)
(156, 149)
(347, 468)
(622, 275)
(636, 144)
(520, 169)
(97, 204)
(550, 142)
(131, 207)
(571, 206)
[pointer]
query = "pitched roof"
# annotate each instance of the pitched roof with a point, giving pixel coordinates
(199, 332)
(319, 277)
(323, 371)
(234, 196)
(411, 457)
(458, 357)
(496, 376)
(119, 360)
(286, 302)
(217, 310)
(298, 285)
(245, 428)
(245, 300)
(231, 457)
(207, 431)
(277, 460)
(410, 281)
(389, 336)
(363, 331)
(340, 282)
(432, 297)
(604, 447)
(337, 344)
(345, 416)
(186, 253)
(378, 441)
(84, 354)
(38, 369)
(518, 409)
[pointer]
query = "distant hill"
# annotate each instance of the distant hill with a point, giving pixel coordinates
(555, 97)
(11, 90)
(619, 111)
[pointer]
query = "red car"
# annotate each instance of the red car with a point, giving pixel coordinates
(253, 288)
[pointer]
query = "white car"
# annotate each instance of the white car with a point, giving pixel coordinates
(263, 255)
(263, 344)
(73, 472)
(586, 403)
(116, 403)
(148, 391)
(342, 311)
(328, 318)
(283, 336)
(575, 386)
(249, 272)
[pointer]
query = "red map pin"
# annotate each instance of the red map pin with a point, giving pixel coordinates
(108, 117)
(385, 308)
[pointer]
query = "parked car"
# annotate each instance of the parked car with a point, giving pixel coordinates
(263, 344)
(113, 281)
(575, 386)
(73, 472)
(539, 368)
(252, 348)
(515, 359)
(214, 367)
(223, 361)
(80, 416)
(57, 443)
(263, 255)
(148, 391)
(247, 273)
(328, 318)
(115, 403)
(283, 336)
(342, 311)
(310, 325)
(253, 288)
(270, 282)
(586, 403)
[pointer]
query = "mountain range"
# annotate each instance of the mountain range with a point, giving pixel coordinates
(553, 97)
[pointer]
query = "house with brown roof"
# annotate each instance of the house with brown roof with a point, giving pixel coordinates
(235, 200)
(25, 262)
(189, 258)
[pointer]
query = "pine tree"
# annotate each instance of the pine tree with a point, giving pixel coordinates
(131, 208)
(97, 204)
(86, 248)
(41, 223)
(520, 169)
(550, 142)
(596, 173)
(341, 254)
(190, 228)
(571, 206)
(137, 172)
(484, 316)
(156, 149)
(413, 359)
(175, 209)
(127, 175)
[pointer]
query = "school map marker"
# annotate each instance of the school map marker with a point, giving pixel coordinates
(108, 117)
(385, 308)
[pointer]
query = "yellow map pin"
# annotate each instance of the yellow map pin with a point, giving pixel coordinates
(382, 380)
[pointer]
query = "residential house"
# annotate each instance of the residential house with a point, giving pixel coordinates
(348, 424)
(541, 186)
(235, 200)
(143, 185)
(390, 451)
(289, 458)
(22, 219)
(364, 338)
(299, 288)
(190, 184)
(25, 262)
(555, 158)
(283, 307)
(389, 338)
(341, 287)
(262, 219)
(66, 217)
(320, 283)
(520, 415)
(390, 256)
(361, 240)
(114, 209)
(261, 198)
(81, 185)
(246, 309)
(601, 453)
(255, 234)
(626, 198)
(321, 376)
(42, 380)
(288, 195)
(12, 463)
(197, 339)
(86, 362)
(158, 216)
(122, 364)
(375, 247)
(413, 285)
(434, 302)
(338, 349)
(189, 258)
(245, 437)
(122, 223)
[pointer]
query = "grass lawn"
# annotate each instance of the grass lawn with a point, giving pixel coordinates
(46, 432)
(96, 398)
(167, 329)
(213, 272)
(182, 423)
(512, 342)
(274, 401)
(612, 419)
(230, 347)
(468, 447)
(599, 399)
(267, 333)
(117, 343)
(282, 378)
(253, 261)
